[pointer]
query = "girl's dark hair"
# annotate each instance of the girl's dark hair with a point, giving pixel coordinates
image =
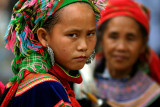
(51, 21)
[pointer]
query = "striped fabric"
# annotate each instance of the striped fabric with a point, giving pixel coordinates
(45, 90)
(34, 80)
(34, 63)
(63, 104)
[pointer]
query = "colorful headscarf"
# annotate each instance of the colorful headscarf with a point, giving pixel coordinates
(135, 10)
(28, 15)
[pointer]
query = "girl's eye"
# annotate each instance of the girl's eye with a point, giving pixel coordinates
(72, 35)
(91, 34)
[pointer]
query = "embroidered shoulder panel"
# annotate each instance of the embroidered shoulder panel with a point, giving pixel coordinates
(9, 84)
(32, 80)
(61, 103)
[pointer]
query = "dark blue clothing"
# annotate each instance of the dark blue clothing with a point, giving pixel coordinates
(46, 94)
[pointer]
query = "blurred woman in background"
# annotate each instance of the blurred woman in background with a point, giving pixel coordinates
(127, 71)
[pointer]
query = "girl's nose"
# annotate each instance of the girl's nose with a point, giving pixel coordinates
(82, 46)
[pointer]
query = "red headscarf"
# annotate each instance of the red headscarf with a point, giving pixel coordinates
(140, 13)
(126, 8)
(154, 64)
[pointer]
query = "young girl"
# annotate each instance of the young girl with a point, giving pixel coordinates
(49, 38)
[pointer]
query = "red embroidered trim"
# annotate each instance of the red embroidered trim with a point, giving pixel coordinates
(61, 103)
(59, 72)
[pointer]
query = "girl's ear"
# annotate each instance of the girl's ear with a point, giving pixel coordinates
(42, 35)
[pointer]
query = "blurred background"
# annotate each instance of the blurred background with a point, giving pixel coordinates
(154, 40)
(6, 56)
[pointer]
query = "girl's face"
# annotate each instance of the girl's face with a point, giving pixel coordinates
(122, 43)
(73, 38)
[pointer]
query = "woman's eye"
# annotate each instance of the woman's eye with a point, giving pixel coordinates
(131, 37)
(113, 36)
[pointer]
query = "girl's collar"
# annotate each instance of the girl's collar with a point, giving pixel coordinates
(57, 70)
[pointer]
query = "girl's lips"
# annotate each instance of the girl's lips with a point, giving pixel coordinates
(81, 58)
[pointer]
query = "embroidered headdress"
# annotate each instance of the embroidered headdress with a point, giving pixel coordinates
(28, 15)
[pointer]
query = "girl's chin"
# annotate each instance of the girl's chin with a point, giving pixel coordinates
(78, 67)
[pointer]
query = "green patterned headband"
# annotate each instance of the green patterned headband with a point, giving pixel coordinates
(29, 15)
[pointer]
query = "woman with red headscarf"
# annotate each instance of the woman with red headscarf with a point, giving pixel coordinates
(127, 71)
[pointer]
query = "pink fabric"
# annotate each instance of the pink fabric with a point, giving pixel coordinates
(2, 87)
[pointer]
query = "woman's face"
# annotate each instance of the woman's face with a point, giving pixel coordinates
(122, 43)
(73, 38)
